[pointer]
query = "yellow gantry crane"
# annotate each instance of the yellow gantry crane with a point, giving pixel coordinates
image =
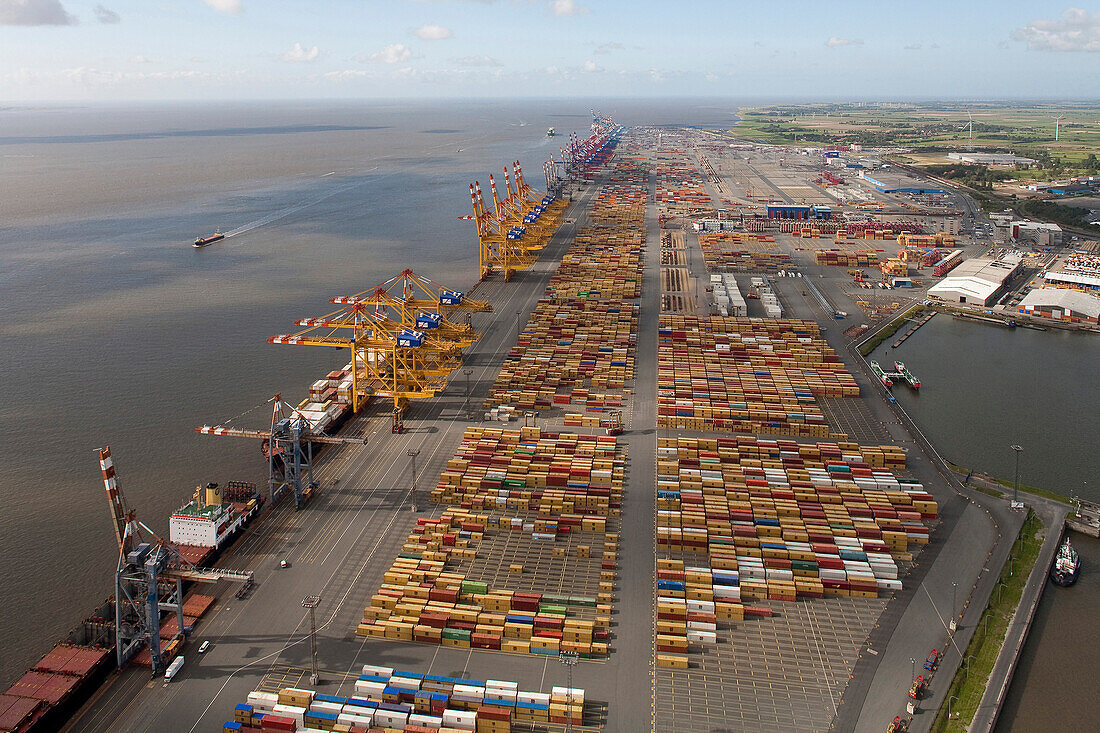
(511, 234)
(388, 358)
(498, 242)
(421, 304)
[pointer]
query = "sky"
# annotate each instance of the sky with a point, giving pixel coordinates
(64, 50)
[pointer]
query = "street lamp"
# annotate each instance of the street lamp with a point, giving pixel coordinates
(311, 603)
(466, 404)
(569, 659)
(519, 327)
(1016, 481)
(913, 664)
(954, 605)
(953, 697)
(412, 454)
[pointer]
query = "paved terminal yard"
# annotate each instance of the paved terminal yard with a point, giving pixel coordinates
(812, 664)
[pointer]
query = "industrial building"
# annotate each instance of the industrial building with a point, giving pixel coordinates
(1007, 160)
(1038, 233)
(798, 211)
(1062, 304)
(1073, 280)
(980, 281)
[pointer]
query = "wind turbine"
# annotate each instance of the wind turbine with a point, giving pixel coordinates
(1057, 122)
(970, 125)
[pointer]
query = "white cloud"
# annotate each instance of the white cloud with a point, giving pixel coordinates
(477, 61)
(710, 77)
(912, 47)
(609, 47)
(1078, 30)
(86, 76)
(103, 15)
(395, 53)
(566, 7)
(834, 41)
(592, 66)
(139, 59)
(299, 54)
(34, 12)
(225, 6)
(346, 75)
(432, 32)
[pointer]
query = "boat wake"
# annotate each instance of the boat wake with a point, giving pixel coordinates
(288, 211)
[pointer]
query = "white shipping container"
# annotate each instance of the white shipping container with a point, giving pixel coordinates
(364, 719)
(430, 721)
(461, 719)
(263, 702)
(390, 719)
(702, 637)
(366, 688)
(291, 711)
(326, 707)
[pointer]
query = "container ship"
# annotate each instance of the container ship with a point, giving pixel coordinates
(59, 683)
(1067, 565)
(204, 526)
(205, 241)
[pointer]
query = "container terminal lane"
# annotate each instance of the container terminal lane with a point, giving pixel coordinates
(684, 651)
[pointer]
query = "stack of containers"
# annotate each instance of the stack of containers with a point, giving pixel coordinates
(552, 486)
(770, 302)
(568, 346)
(582, 334)
(845, 258)
(746, 374)
(741, 252)
(679, 184)
(777, 521)
(394, 699)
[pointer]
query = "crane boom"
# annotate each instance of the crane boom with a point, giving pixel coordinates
(266, 434)
(119, 513)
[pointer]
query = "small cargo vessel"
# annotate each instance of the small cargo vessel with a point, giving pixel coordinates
(886, 381)
(1067, 565)
(204, 241)
(899, 367)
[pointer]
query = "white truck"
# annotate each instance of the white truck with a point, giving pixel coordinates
(173, 669)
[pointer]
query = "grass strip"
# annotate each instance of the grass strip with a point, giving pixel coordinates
(968, 686)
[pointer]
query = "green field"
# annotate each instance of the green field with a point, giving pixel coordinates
(940, 128)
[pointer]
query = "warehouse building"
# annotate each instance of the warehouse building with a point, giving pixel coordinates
(980, 281)
(1062, 304)
(1007, 160)
(1074, 280)
(798, 211)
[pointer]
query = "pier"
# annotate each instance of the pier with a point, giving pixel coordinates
(913, 329)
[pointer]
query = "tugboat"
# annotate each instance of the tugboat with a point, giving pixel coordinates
(550, 132)
(1067, 565)
(204, 241)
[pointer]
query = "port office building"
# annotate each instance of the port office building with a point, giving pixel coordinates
(980, 281)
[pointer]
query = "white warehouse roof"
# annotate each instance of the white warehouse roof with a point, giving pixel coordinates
(1075, 301)
(973, 288)
(1073, 277)
(977, 279)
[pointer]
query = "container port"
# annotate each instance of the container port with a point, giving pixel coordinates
(633, 494)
